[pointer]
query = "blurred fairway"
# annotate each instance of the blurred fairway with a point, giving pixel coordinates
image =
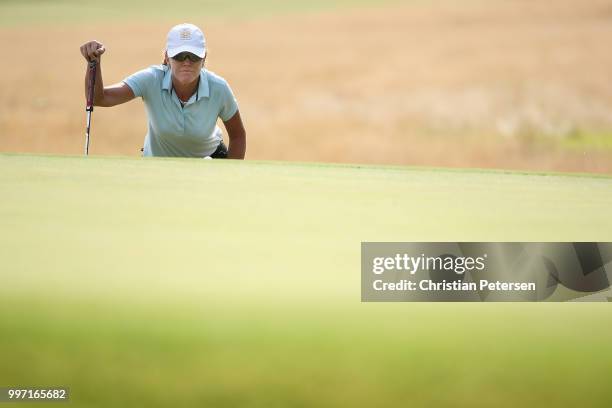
(168, 282)
(53, 12)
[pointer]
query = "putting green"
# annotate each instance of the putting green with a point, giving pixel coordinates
(217, 283)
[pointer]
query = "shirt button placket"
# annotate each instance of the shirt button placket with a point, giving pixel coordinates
(183, 118)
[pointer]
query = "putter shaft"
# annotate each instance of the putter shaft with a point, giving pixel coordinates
(87, 133)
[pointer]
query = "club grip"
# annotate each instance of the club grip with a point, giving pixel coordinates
(91, 85)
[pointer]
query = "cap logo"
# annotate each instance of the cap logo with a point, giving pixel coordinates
(185, 34)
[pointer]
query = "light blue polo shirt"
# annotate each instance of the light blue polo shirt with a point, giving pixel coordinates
(188, 131)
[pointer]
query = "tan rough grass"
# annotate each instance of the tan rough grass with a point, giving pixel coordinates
(474, 84)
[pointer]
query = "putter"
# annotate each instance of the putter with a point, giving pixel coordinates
(93, 65)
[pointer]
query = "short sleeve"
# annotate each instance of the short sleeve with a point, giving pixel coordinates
(229, 106)
(141, 81)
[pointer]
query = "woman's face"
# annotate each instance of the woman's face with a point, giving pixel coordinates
(186, 71)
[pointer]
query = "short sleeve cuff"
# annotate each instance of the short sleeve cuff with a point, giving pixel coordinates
(231, 114)
(134, 86)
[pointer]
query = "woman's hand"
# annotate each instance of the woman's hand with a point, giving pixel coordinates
(92, 50)
(103, 96)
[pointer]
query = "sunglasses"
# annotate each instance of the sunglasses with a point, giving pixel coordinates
(186, 55)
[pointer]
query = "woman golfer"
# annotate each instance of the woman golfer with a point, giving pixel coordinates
(183, 99)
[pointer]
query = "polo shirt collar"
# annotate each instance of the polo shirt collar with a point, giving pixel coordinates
(203, 90)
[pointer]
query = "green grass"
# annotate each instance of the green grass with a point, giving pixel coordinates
(591, 141)
(15, 12)
(586, 141)
(167, 282)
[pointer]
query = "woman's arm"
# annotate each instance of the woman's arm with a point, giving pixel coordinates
(237, 137)
(104, 96)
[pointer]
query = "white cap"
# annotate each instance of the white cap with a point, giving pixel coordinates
(186, 37)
